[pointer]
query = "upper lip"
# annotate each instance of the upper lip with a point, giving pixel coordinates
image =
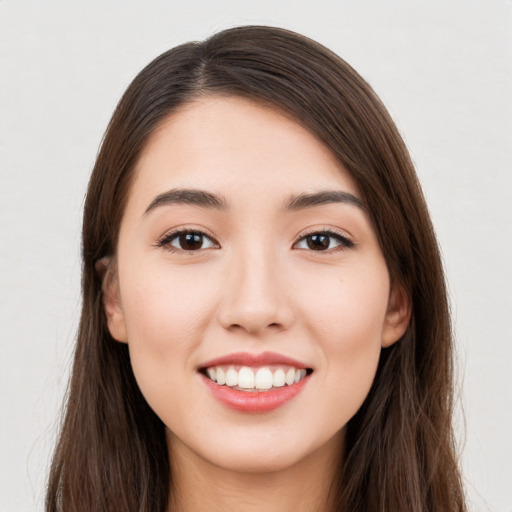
(248, 359)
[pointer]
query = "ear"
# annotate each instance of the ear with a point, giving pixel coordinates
(398, 315)
(106, 268)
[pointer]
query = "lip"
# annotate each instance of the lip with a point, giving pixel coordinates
(254, 401)
(248, 359)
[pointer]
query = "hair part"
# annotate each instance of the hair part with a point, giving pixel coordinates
(399, 450)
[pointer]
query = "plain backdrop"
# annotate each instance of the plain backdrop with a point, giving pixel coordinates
(444, 70)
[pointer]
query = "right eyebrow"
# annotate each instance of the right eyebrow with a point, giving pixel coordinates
(195, 197)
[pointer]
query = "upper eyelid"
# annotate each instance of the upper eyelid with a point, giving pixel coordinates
(330, 231)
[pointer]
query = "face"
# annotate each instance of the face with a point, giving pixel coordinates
(246, 254)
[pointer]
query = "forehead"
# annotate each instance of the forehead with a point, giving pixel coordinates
(239, 148)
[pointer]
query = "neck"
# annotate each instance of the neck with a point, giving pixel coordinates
(198, 485)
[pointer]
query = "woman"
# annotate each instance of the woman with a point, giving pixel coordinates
(265, 322)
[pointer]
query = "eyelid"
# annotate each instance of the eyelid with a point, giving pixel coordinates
(346, 241)
(165, 239)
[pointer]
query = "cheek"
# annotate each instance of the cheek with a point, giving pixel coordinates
(166, 314)
(347, 322)
(166, 310)
(348, 309)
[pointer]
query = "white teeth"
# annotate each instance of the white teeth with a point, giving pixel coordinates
(264, 378)
(246, 378)
(261, 379)
(221, 378)
(279, 379)
(289, 378)
(231, 377)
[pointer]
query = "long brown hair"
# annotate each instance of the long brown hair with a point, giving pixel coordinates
(399, 452)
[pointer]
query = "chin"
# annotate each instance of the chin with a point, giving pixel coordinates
(257, 460)
(264, 451)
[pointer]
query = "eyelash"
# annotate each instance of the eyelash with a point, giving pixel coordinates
(341, 238)
(165, 241)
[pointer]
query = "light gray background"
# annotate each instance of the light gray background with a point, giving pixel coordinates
(443, 68)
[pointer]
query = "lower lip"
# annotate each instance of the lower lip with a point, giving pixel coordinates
(255, 401)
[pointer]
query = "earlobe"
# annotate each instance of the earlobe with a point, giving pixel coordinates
(398, 316)
(106, 269)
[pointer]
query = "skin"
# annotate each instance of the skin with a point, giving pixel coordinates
(253, 286)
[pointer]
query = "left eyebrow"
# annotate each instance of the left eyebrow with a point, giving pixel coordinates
(302, 201)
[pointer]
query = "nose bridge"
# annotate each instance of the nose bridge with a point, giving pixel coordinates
(255, 298)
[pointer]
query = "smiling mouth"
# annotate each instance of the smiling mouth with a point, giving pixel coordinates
(255, 379)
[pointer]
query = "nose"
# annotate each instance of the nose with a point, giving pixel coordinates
(255, 299)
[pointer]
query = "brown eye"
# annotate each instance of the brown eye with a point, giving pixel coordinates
(190, 241)
(187, 241)
(324, 241)
(318, 242)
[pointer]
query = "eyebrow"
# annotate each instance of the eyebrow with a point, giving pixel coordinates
(303, 201)
(204, 199)
(193, 197)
